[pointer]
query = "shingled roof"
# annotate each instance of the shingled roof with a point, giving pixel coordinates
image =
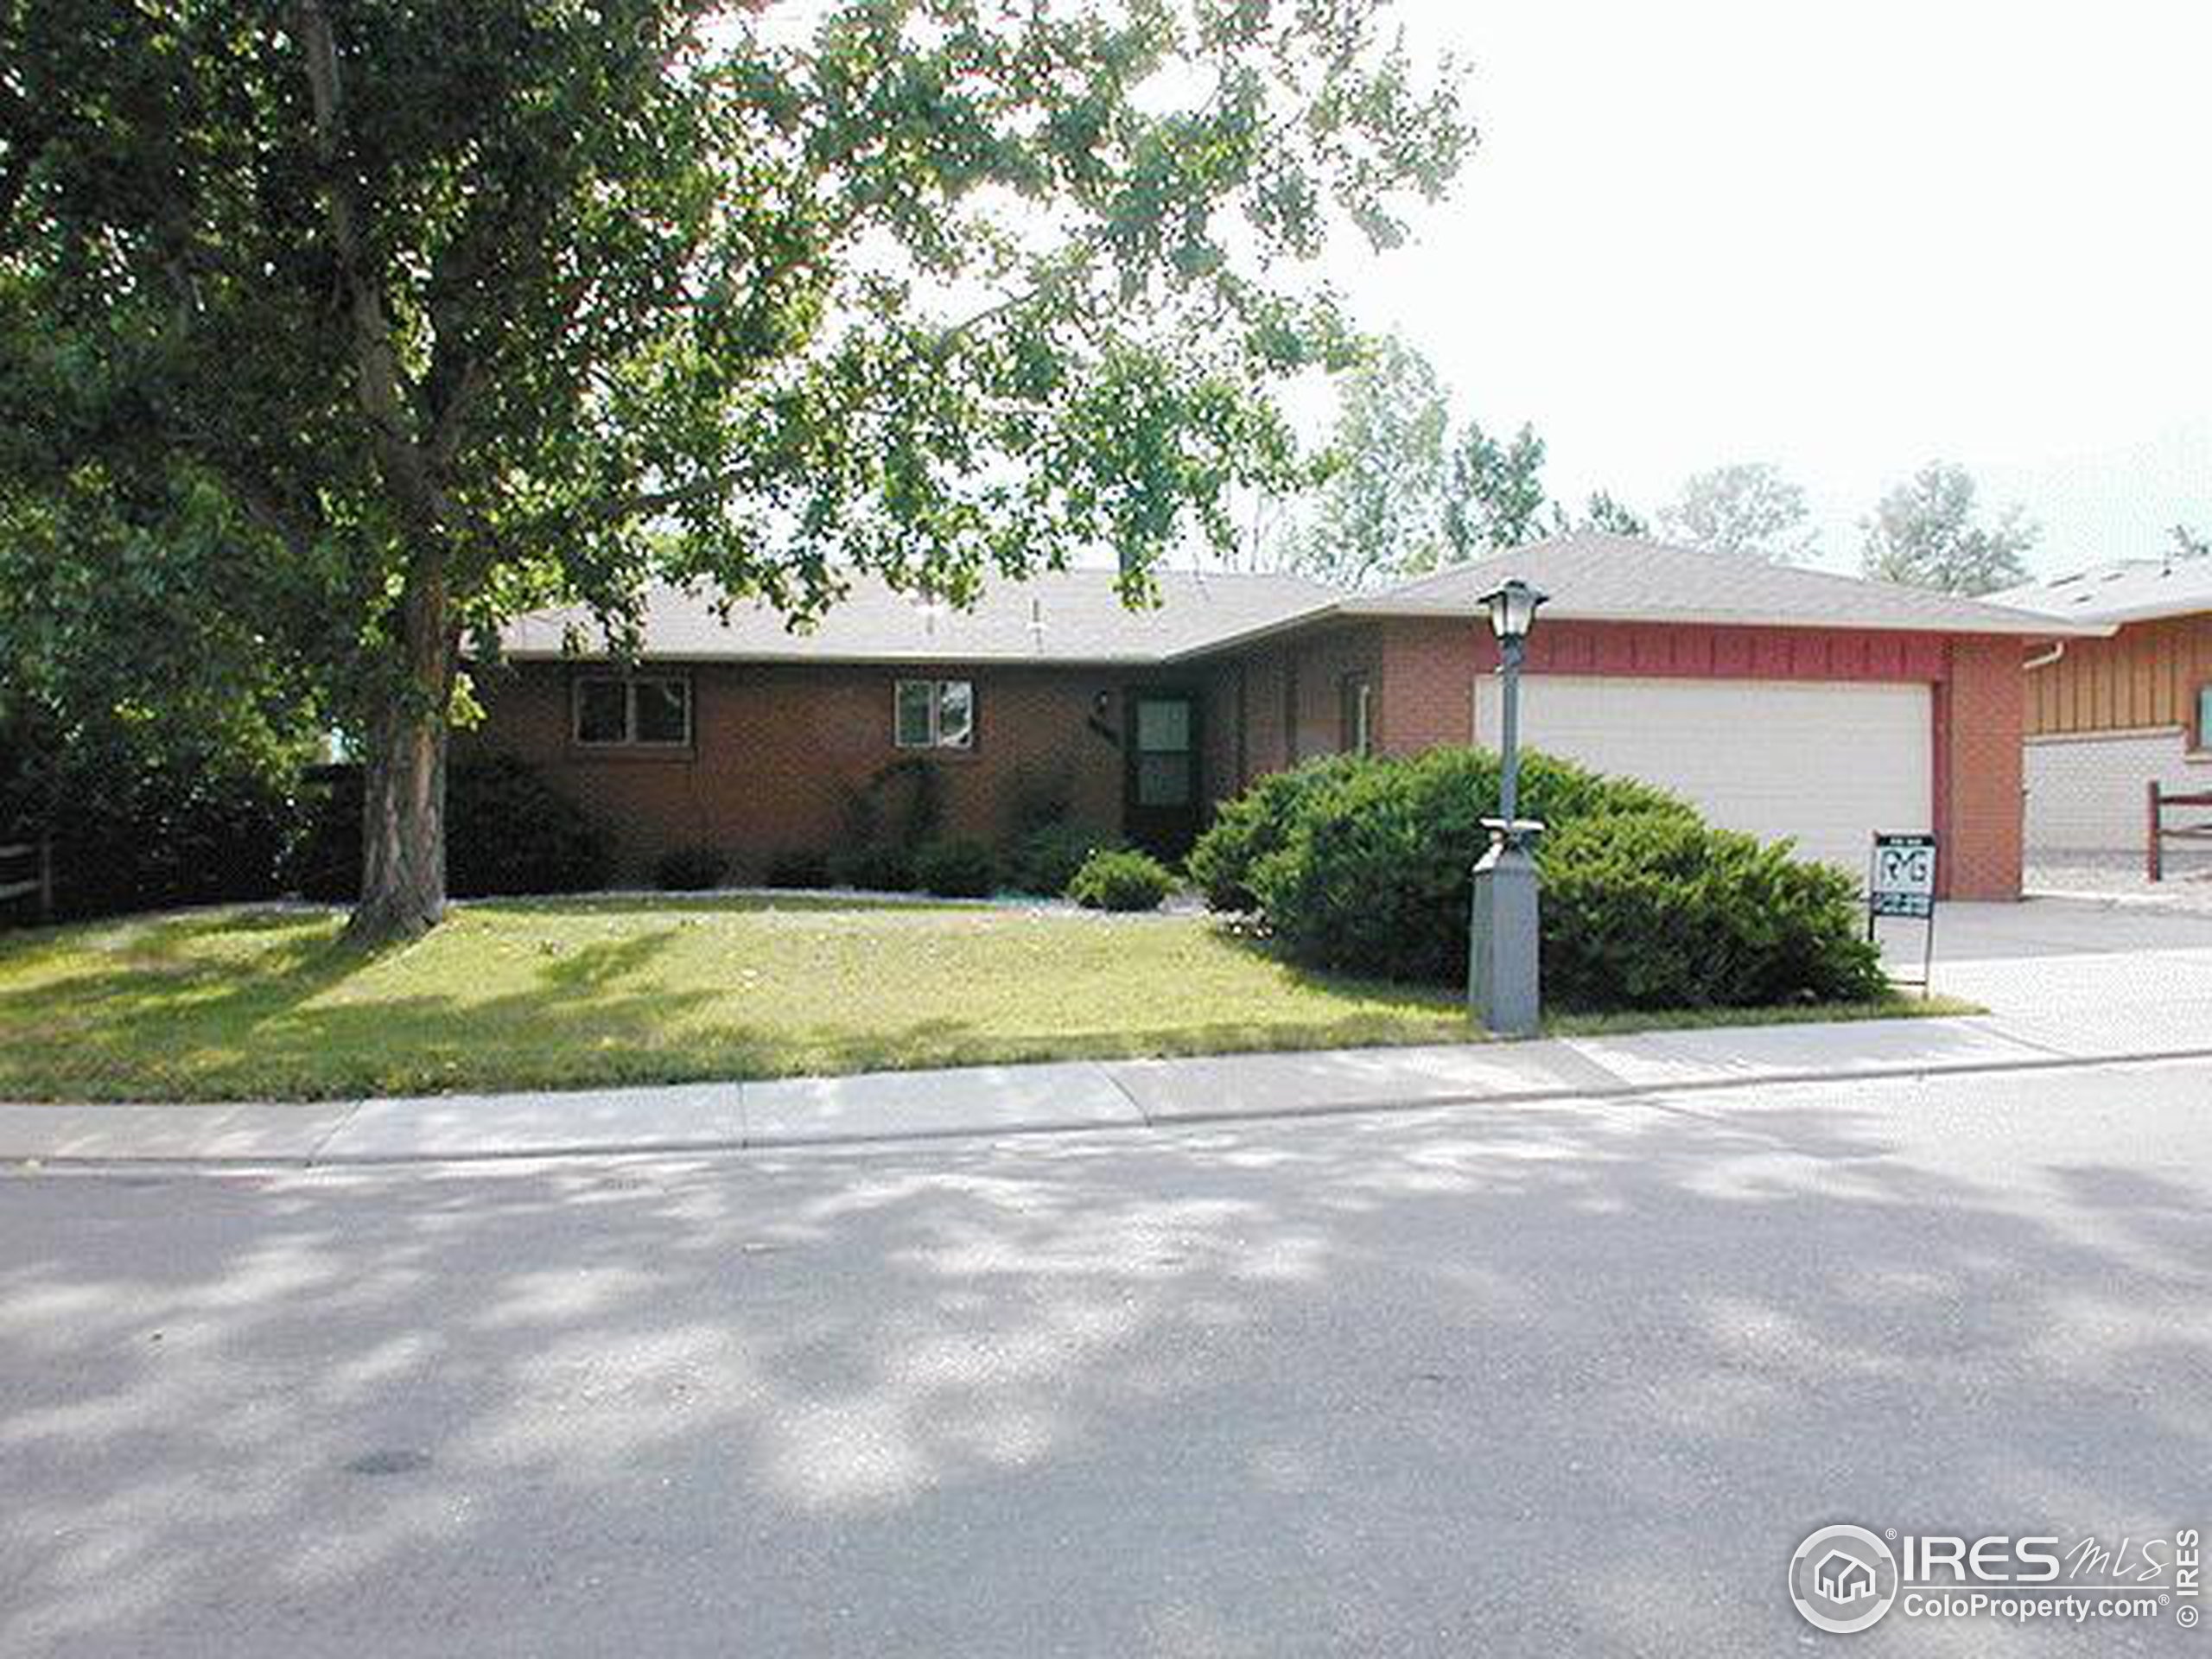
(1067, 616)
(2124, 590)
(1592, 577)
(1078, 616)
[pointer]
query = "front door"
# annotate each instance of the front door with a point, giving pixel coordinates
(1160, 796)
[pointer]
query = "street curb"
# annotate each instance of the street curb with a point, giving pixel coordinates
(1382, 1105)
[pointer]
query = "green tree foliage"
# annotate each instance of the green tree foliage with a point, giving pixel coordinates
(1377, 512)
(423, 314)
(1924, 533)
(1603, 512)
(1495, 499)
(1746, 507)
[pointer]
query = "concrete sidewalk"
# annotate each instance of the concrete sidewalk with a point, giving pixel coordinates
(2037, 1031)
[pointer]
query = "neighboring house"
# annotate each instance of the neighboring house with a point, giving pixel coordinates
(1783, 701)
(2105, 716)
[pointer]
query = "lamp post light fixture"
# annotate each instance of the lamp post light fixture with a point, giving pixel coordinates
(1501, 983)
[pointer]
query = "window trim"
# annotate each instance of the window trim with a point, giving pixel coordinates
(630, 740)
(936, 743)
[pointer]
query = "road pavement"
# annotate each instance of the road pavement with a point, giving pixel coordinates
(1546, 1377)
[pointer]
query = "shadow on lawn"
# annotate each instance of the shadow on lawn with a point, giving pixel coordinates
(1541, 1379)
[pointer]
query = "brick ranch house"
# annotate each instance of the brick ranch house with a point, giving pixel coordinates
(2105, 716)
(1783, 701)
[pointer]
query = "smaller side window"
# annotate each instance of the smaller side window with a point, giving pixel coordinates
(915, 724)
(644, 711)
(933, 714)
(1357, 714)
(660, 711)
(2204, 716)
(955, 714)
(602, 711)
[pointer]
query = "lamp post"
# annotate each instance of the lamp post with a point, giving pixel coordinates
(1502, 986)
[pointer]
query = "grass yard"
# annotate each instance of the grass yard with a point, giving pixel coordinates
(264, 1004)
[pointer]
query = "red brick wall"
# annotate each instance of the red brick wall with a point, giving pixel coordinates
(778, 748)
(1979, 711)
(1426, 694)
(1293, 698)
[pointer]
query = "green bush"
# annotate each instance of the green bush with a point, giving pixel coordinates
(1121, 879)
(1045, 859)
(956, 869)
(1258, 822)
(1375, 876)
(691, 869)
(1660, 911)
(799, 869)
(507, 831)
(880, 868)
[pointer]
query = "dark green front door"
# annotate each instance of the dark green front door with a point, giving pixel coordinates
(1160, 797)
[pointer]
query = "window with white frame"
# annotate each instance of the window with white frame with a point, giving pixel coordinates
(632, 711)
(933, 714)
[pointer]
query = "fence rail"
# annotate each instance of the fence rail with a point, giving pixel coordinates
(38, 855)
(2154, 858)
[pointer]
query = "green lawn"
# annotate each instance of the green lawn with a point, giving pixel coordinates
(239, 1004)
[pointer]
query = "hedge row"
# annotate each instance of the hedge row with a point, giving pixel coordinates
(1366, 866)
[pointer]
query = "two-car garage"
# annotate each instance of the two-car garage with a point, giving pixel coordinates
(1781, 701)
(1827, 764)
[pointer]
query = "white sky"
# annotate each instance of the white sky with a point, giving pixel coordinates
(1845, 238)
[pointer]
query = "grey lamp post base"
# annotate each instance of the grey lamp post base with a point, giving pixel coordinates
(1502, 978)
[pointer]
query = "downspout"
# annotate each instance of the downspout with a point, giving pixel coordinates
(2046, 659)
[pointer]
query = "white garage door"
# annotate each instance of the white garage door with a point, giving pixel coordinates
(1829, 764)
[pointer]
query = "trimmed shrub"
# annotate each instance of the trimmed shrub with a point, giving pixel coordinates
(691, 869)
(1376, 874)
(1045, 859)
(1660, 911)
(956, 869)
(878, 869)
(802, 870)
(1258, 822)
(1121, 879)
(507, 831)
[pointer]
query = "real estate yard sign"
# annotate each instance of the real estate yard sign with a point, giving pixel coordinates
(1901, 882)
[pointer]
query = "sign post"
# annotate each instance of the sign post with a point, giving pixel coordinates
(1901, 882)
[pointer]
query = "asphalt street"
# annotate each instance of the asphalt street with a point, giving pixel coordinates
(1574, 1377)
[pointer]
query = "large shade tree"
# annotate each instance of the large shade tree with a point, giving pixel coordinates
(432, 312)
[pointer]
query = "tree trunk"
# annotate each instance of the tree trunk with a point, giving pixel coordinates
(403, 797)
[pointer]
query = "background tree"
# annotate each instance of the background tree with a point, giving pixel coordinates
(1923, 533)
(2190, 543)
(1603, 512)
(437, 312)
(1746, 508)
(1382, 477)
(1495, 496)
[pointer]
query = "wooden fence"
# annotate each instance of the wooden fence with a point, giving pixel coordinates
(37, 886)
(2154, 845)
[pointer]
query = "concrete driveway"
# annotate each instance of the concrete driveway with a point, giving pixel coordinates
(2131, 976)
